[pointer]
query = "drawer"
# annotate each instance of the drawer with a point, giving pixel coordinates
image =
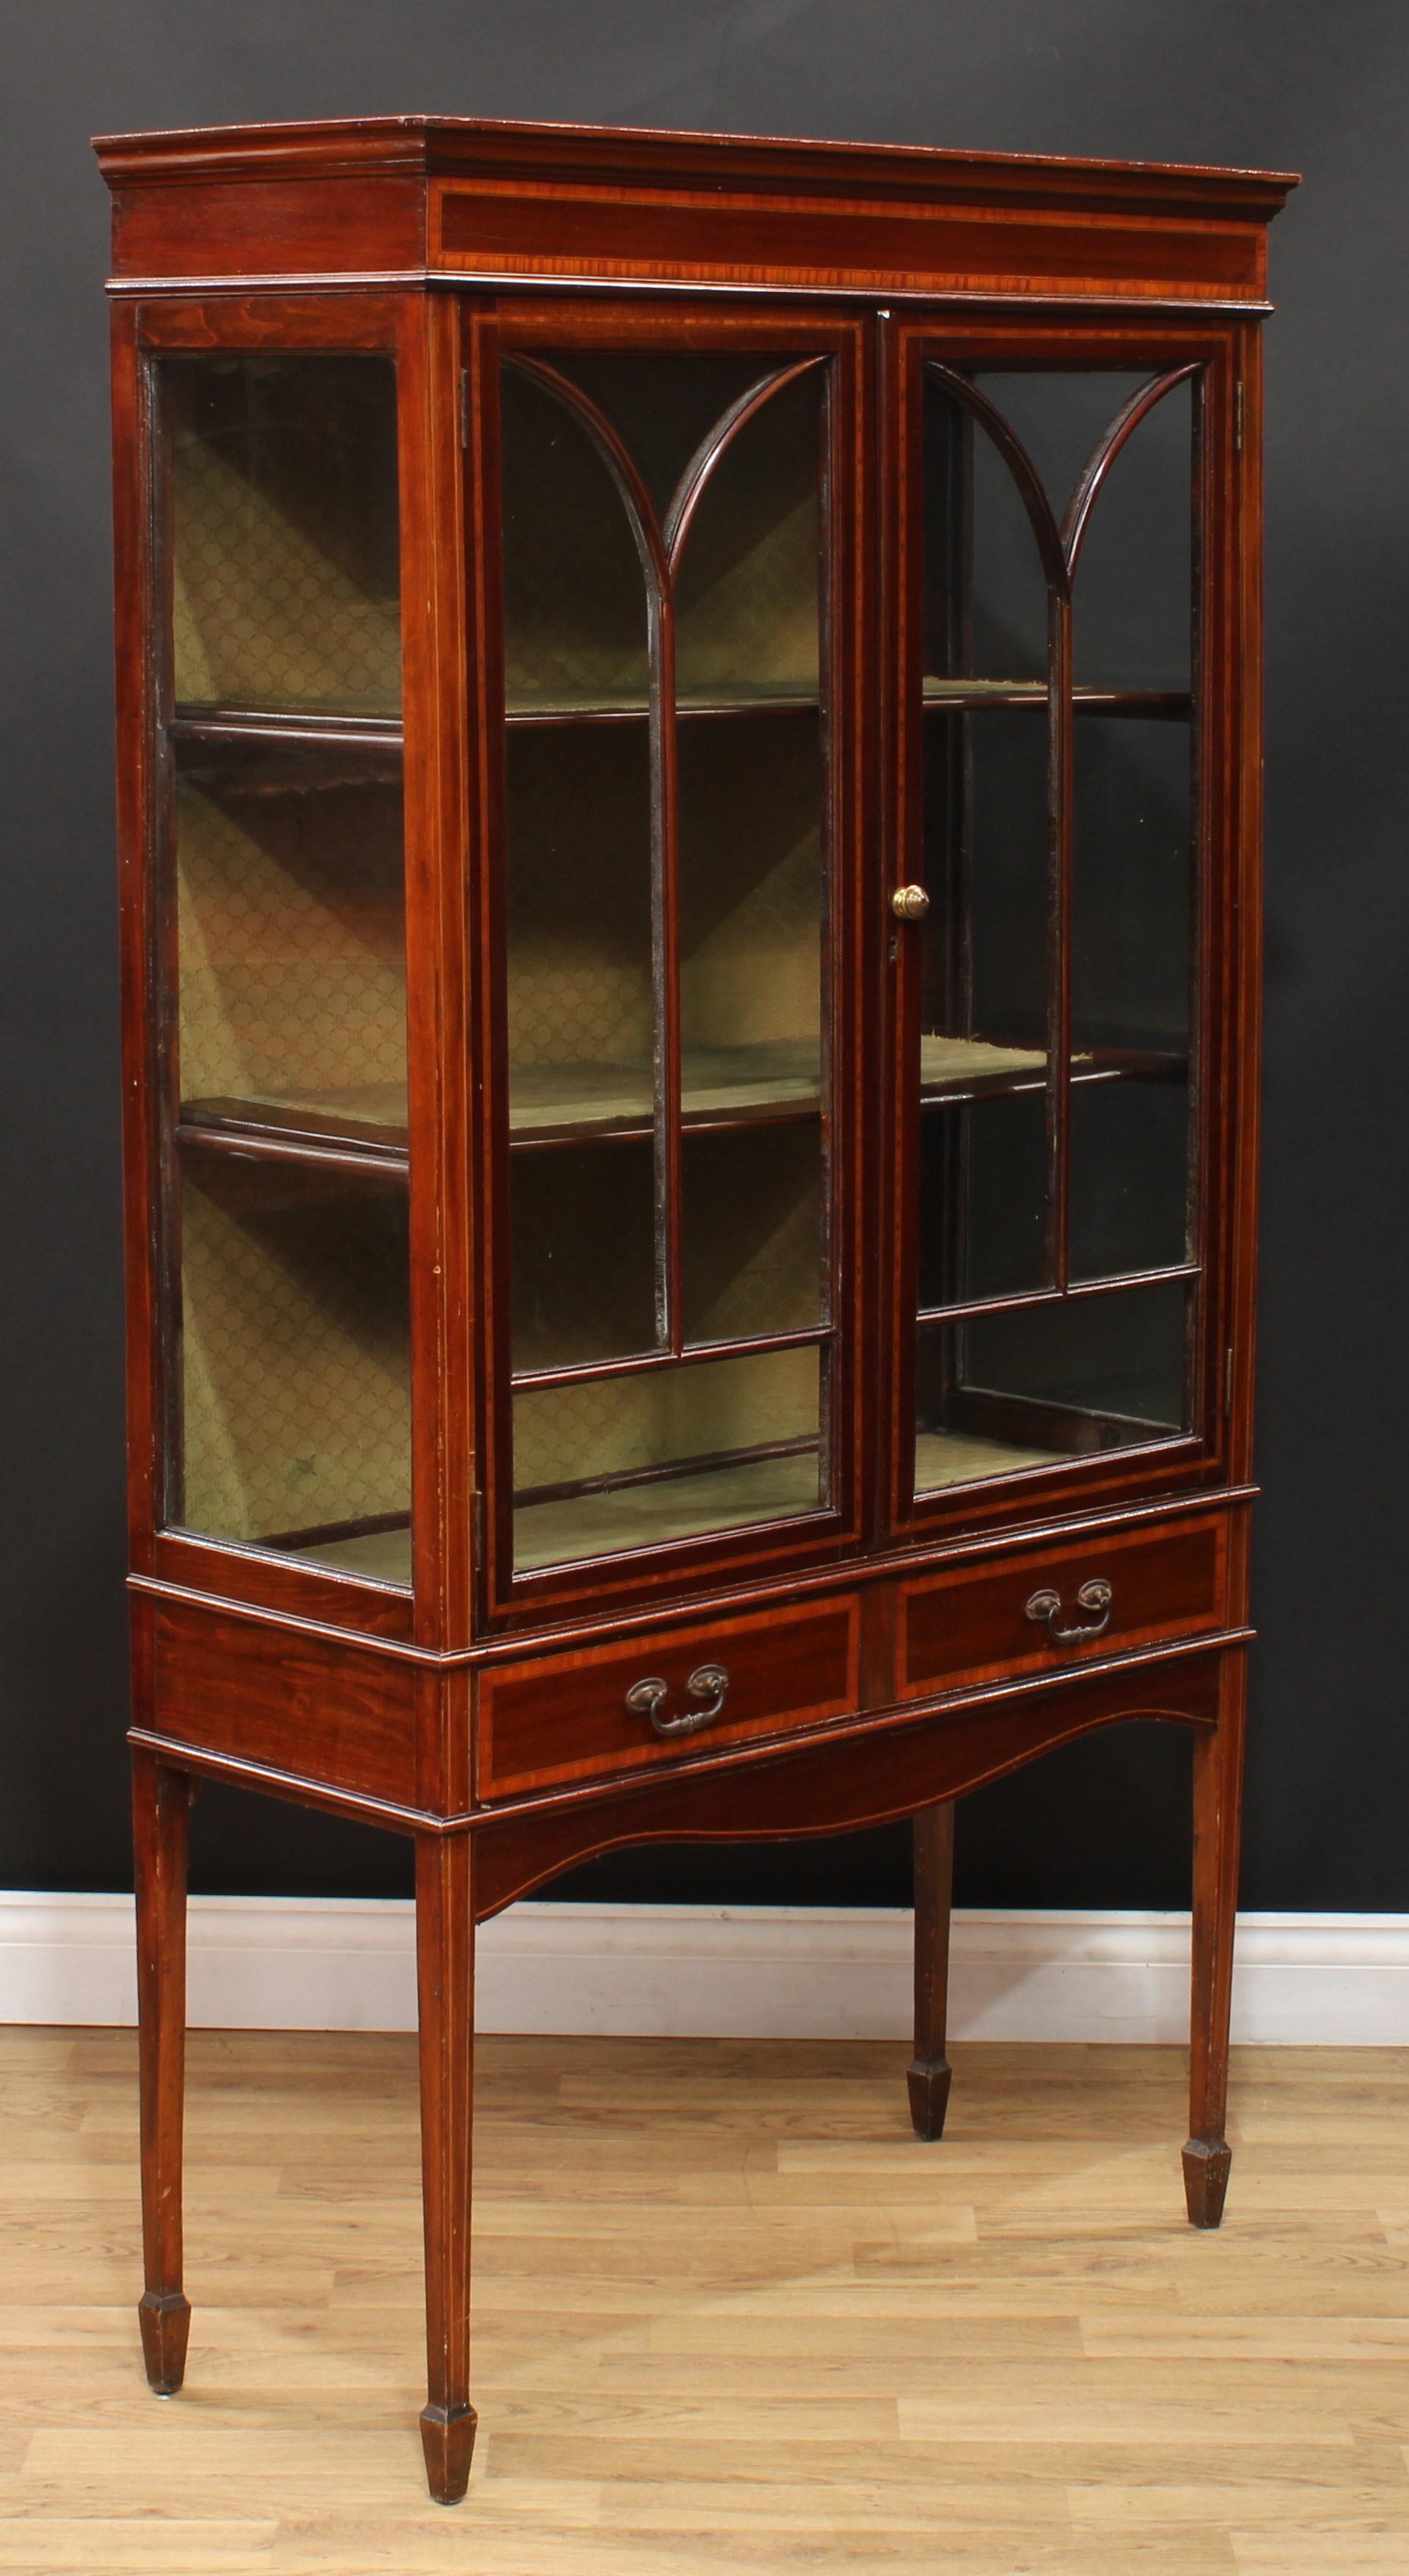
(995, 1619)
(567, 1717)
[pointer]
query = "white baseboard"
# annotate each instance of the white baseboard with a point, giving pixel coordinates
(815, 1972)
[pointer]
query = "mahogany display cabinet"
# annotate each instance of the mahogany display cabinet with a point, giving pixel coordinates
(689, 817)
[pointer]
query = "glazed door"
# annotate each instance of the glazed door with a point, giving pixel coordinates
(1060, 845)
(671, 568)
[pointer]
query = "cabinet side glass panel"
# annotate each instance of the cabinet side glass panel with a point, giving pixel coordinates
(285, 540)
(1058, 825)
(668, 1086)
(290, 1271)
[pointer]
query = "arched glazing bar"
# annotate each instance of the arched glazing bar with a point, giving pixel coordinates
(661, 543)
(1105, 452)
(710, 453)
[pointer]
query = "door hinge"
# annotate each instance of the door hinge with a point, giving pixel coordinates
(465, 408)
(1238, 419)
(1228, 1381)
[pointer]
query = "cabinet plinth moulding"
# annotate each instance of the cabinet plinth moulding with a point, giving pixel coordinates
(689, 773)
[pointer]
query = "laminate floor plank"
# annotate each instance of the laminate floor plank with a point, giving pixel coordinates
(730, 2316)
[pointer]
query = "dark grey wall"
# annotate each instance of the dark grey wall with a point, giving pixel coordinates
(1318, 85)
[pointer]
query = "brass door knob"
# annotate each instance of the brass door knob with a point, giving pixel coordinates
(910, 903)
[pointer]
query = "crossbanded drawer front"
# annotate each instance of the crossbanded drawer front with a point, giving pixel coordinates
(1044, 1609)
(567, 1717)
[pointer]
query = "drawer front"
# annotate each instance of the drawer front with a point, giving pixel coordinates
(567, 1717)
(1025, 1612)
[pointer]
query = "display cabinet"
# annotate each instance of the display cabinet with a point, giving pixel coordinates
(689, 810)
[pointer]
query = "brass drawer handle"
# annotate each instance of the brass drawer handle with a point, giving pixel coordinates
(1095, 1595)
(910, 903)
(709, 1682)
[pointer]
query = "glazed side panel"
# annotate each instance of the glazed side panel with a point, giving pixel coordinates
(423, 333)
(133, 613)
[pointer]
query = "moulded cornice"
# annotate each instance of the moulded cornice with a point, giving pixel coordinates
(643, 156)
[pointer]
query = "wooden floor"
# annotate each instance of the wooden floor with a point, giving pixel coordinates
(730, 2316)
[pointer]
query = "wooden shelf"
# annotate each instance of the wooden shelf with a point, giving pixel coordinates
(368, 1121)
(610, 706)
(193, 723)
(953, 696)
(955, 1066)
(721, 1087)
(963, 1458)
(375, 1556)
(236, 728)
(261, 750)
(768, 1083)
(957, 1069)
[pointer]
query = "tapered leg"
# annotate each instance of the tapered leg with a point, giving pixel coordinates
(161, 1802)
(928, 2074)
(1218, 1790)
(445, 1966)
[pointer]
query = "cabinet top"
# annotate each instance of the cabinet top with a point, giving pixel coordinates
(482, 199)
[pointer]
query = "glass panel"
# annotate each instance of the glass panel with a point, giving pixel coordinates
(583, 1253)
(753, 1229)
(1134, 584)
(574, 600)
(285, 547)
(1059, 415)
(295, 1350)
(1133, 600)
(983, 1050)
(751, 882)
(1042, 1383)
(1132, 975)
(612, 1464)
(579, 885)
(985, 591)
(1129, 1177)
(1132, 891)
(578, 869)
(292, 945)
(634, 860)
(1003, 920)
(983, 1199)
(751, 818)
(290, 1052)
(748, 591)
(661, 410)
(751, 813)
